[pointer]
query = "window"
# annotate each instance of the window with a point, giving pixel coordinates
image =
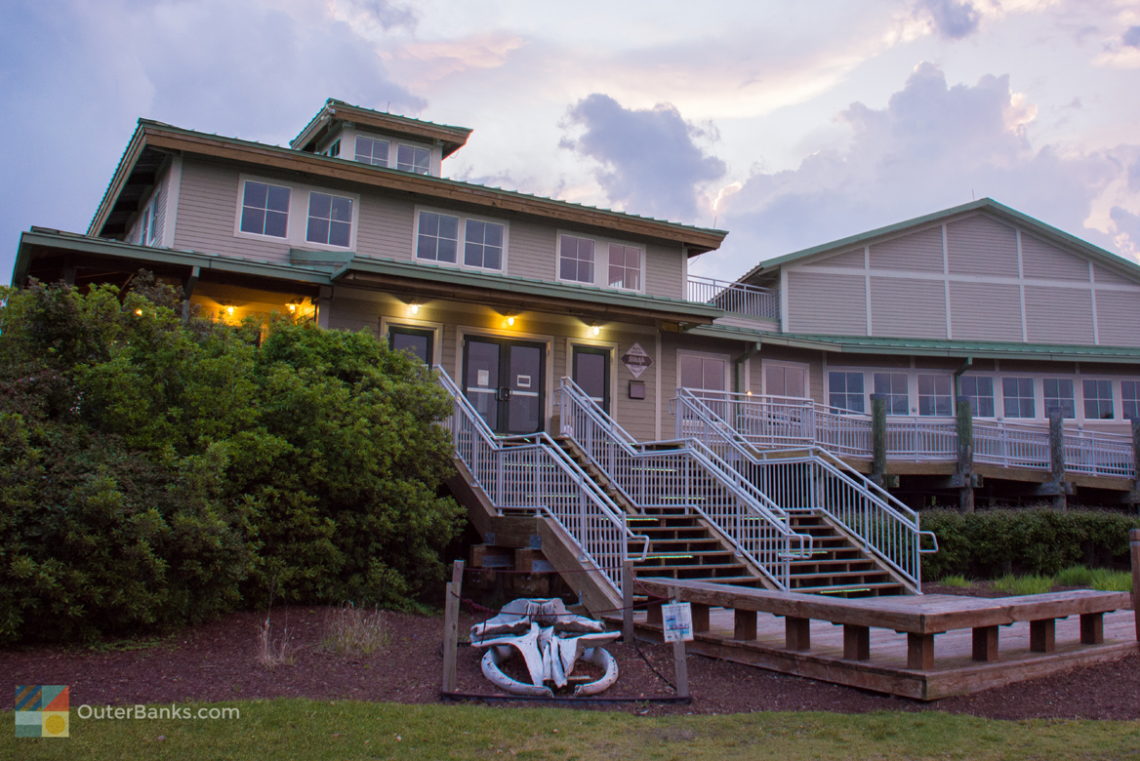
(1130, 396)
(1098, 400)
(148, 223)
(704, 372)
(893, 386)
(413, 158)
(334, 150)
(845, 391)
(372, 151)
(934, 396)
(980, 392)
(625, 267)
(438, 238)
(1017, 395)
(1058, 395)
(416, 341)
(483, 244)
(330, 219)
(265, 209)
(576, 259)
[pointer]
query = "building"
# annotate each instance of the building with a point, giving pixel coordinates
(355, 225)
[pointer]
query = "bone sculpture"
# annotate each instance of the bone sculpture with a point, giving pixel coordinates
(550, 641)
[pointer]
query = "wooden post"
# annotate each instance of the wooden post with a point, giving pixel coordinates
(680, 664)
(965, 430)
(743, 624)
(1135, 496)
(797, 633)
(985, 644)
(856, 642)
(920, 651)
(627, 633)
(879, 439)
(700, 617)
(1043, 635)
(1134, 546)
(451, 625)
(1057, 458)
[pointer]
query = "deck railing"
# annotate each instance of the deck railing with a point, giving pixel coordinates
(780, 421)
(684, 474)
(531, 473)
(737, 298)
(808, 477)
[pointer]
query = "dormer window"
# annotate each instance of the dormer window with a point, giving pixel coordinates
(372, 151)
(413, 158)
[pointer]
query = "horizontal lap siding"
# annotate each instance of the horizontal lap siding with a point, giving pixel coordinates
(1107, 276)
(1058, 315)
(207, 211)
(853, 258)
(1118, 317)
(639, 416)
(386, 228)
(826, 303)
(985, 311)
(1041, 260)
(532, 251)
(908, 308)
(664, 272)
(981, 246)
(921, 251)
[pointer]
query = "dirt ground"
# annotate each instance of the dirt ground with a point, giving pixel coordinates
(219, 662)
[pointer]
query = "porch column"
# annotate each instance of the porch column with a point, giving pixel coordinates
(879, 439)
(965, 470)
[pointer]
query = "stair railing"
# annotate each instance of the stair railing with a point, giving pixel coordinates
(685, 474)
(812, 478)
(531, 473)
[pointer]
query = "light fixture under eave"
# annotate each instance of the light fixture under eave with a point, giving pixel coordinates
(413, 308)
(509, 318)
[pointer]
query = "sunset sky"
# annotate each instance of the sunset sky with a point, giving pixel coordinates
(787, 123)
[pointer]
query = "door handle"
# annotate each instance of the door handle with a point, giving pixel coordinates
(504, 394)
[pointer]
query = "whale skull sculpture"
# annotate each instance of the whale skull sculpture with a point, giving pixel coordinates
(550, 640)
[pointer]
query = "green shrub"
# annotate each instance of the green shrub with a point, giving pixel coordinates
(1075, 576)
(1023, 585)
(1108, 580)
(956, 580)
(990, 543)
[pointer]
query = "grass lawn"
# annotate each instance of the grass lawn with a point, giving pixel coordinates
(304, 729)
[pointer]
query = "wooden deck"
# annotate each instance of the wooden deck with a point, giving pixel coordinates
(918, 646)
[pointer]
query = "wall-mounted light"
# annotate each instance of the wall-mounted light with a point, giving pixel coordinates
(509, 318)
(413, 308)
(229, 311)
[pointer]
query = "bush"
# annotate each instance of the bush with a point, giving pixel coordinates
(991, 543)
(155, 471)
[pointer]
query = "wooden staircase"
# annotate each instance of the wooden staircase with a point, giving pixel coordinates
(837, 566)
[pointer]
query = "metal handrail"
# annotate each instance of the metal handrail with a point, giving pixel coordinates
(687, 475)
(735, 297)
(812, 478)
(531, 472)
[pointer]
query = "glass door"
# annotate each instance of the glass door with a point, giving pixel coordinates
(590, 369)
(504, 381)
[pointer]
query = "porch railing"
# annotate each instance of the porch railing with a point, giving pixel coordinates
(808, 477)
(684, 474)
(738, 298)
(531, 473)
(780, 421)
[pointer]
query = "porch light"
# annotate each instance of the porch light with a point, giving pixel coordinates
(595, 329)
(413, 308)
(509, 318)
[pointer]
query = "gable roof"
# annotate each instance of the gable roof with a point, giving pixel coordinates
(450, 138)
(987, 205)
(138, 166)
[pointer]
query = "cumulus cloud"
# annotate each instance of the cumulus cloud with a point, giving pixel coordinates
(933, 146)
(952, 19)
(650, 161)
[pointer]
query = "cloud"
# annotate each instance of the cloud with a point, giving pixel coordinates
(951, 19)
(933, 146)
(650, 162)
(1131, 37)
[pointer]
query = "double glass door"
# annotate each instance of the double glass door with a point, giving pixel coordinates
(504, 381)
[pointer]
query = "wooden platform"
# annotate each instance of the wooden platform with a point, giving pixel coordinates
(918, 646)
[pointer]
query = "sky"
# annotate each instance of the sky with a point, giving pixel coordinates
(787, 123)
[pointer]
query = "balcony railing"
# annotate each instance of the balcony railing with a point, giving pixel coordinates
(737, 298)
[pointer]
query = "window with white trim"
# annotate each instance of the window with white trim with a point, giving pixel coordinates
(265, 209)
(980, 392)
(413, 158)
(1130, 398)
(576, 259)
(333, 150)
(371, 150)
(893, 387)
(845, 391)
(625, 267)
(1017, 397)
(1057, 394)
(1098, 400)
(440, 236)
(330, 219)
(934, 397)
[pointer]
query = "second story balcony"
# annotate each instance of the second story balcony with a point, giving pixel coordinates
(738, 299)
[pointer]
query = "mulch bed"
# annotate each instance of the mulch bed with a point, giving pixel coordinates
(219, 662)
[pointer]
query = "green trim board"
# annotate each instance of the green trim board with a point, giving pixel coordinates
(988, 205)
(927, 347)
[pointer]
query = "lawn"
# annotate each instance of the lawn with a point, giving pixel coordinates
(344, 730)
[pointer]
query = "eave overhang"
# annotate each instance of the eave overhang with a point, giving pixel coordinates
(450, 138)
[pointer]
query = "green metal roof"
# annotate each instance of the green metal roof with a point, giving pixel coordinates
(928, 347)
(983, 204)
(411, 121)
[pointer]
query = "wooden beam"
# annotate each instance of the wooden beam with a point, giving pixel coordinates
(1057, 458)
(744, 624)
(964, 427)
(797, 633)
(1092, 628)
(700, 617)
(985, 644)
(856, 642)
(920, 651)
(627, 576)
(1043, 635)
(878, 438)
(451, 626)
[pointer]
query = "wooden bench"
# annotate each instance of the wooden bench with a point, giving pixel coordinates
(920, 617)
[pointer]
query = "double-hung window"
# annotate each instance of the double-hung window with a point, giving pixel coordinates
(893, 387)
(413, 158)
(845, 391)
(600, 263)
(576, 259)
(1057, 394)
(1098, 400)
(440, 237)
(625, 267)
(980, 392)
(1017, 397)
(371, 150)
(934, 398)
(265, 209)
(483, 244)
(1130, 398)
(330, 219)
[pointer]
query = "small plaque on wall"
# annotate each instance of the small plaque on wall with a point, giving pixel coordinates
(636, 389)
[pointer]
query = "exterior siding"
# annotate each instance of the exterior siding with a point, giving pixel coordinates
(1118, 317)
(1058, 315)
(1107, 276)
(980, 245)
(1041, 260)
(385, 228)
(532, 251)
(852, 258)
(908, 308)
(664, 271)
(826, 303)
(920, 251)
(985, 311)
